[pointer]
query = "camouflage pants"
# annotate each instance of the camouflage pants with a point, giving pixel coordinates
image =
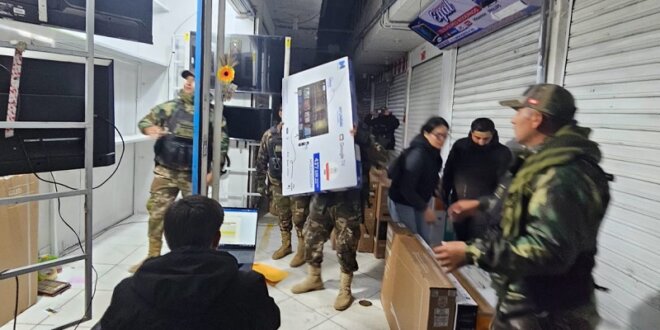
(338, 210)
(165, 187)
(289, 208)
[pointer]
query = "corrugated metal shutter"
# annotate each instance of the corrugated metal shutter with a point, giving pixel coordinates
(499, 66)
(380, 97)
(396, 103)
(613, 70)
(424, 96)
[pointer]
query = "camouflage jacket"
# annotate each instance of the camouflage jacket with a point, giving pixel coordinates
(269, 158)
(161, 114)
(542, 258)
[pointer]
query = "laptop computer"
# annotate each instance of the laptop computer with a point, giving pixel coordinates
(238, 234)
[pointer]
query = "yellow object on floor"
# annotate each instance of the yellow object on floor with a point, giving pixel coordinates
(273, 275)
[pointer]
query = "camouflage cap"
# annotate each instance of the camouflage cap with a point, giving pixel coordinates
(549, 99)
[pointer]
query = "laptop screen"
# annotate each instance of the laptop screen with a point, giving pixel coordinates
(239, 227)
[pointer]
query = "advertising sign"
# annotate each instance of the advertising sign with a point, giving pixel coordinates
(455, 22)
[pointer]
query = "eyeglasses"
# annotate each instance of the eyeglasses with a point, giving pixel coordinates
(440, 136)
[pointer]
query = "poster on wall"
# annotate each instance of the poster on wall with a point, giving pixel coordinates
(318, 112)
(456, 22)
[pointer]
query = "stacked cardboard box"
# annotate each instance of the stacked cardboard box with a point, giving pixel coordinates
(18, 244)
(416, 294)
(472, 279)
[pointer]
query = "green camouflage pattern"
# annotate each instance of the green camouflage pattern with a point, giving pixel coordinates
(160, 114)
(338, 210)
(269, 143)
(551, 216)
(165, 187)
(291, 210)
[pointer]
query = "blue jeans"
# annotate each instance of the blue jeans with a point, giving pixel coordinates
(414, 220)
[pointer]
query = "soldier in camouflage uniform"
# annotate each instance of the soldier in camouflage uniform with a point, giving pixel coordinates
(341, 210)
(269, 165)
(542, 258)
(171, 124)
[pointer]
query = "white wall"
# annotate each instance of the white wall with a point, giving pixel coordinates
(141, 81)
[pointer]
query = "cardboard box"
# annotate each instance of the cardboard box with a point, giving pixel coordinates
(477, 284)
(366, 243)
(415, 293)
(380, 238)
(319, 109)
(18, 244)
(466, 307)
(394, 229)
(370, 220)
(381, 202)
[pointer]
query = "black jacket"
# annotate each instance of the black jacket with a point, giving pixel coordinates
(420, 174)
(382, 128)
(192, 289)
(473, 171)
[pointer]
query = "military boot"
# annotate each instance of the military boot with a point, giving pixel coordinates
(299, 259)
(312, 282)
(344, 298)
(285, 249)
(154, 251)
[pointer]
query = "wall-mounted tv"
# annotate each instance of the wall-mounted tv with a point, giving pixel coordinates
(124, 19)
(54, 90)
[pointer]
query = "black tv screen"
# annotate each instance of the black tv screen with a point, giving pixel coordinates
(260, 66)
(247, 123)
(124, 19)
(55, 91)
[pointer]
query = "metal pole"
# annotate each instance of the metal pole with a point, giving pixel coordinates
(287, 55)
(219, 107)
(89, 154)
(199, 81)
(544, 41)
(207, 67)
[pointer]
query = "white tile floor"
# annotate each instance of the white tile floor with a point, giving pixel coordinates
(125, 245)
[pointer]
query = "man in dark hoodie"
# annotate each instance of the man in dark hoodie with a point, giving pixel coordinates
(194, 286)
(473, 168)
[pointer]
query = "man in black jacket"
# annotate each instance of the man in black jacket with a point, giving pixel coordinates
(382, 125)
(473, 169)
(194, 286)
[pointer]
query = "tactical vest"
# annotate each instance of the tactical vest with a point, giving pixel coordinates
(275, 154)
(175, 150)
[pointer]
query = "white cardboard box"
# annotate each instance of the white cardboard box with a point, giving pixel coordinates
(318, 150)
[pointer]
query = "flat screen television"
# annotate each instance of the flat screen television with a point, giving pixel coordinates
(124, 19)
(54, 90)
(247, 123)
(260, 66)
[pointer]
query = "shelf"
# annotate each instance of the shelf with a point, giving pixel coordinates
(61, 41)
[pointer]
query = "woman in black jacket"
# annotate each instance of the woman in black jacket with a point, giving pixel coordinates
(415, 176)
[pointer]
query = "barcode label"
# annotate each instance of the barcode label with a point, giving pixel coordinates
(440, 317)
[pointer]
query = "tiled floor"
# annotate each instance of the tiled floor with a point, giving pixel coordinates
(125, 245)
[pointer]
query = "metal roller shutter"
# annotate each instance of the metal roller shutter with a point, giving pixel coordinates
(424, 99)
(380, 97)
(613, 70)
(396, 103)
(499, 66)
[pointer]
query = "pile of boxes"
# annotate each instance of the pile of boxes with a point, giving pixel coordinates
(18, 244)
(376, 218)
(417, 293)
